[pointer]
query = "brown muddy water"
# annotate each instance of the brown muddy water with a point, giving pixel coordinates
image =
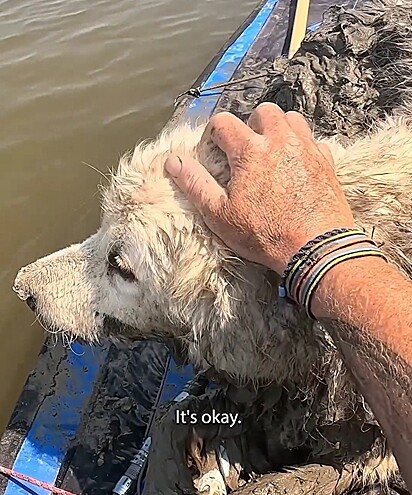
(80, 83)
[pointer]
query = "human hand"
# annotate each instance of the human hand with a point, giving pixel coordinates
(283, 190)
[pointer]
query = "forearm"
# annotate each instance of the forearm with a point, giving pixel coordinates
(373, 296)
(385, 382)
(366, 305)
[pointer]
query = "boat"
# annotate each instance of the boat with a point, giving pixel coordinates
(83, 415)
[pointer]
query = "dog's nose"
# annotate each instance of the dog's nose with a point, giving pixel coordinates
(31, 303)
(22, 288)
(24, 293)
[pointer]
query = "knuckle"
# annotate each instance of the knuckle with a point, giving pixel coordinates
(297, 119)
(268, 107)
(296, 116)
(294, 113)
(220, 119)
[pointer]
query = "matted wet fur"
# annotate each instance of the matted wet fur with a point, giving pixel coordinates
(154, 271)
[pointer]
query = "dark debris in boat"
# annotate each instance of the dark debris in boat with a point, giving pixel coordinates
(115, 423)
(349, 73)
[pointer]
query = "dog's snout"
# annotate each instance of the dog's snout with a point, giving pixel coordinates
(22, 288)
(24, 293)
(31, 303)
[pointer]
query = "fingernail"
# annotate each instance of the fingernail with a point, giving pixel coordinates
(174, 166)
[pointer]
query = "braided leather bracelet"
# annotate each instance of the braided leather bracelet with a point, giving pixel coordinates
(331, 245)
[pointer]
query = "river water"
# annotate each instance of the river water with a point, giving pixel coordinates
(81, 81)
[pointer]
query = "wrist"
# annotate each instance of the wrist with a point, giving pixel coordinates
(307, 267)
(278, 258)
(332, 297)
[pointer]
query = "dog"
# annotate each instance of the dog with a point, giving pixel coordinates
(154, 271)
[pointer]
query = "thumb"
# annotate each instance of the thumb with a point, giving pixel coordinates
(195, 181)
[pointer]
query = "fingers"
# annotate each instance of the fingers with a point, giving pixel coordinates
(301, 128)
(299, 125)
(229, 133)
(199, 186)
(269, 120)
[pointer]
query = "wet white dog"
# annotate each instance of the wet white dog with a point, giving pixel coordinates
(154, 271)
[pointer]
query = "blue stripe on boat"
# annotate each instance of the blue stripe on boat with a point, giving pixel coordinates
(176, 378)
(203, 107)
(58, 418)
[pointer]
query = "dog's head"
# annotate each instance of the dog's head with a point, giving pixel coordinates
(149, 247)
(154, 271)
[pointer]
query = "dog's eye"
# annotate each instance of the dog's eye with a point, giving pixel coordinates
(117, 264)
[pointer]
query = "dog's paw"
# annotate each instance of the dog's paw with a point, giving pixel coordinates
(211, 483)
